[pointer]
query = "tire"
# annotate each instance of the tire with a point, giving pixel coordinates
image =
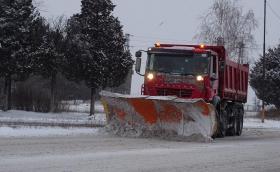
(222, 129)
(235, 126)
(240, 122)
(222, 123)
(233, 130)
(221, 133)
(233, 121)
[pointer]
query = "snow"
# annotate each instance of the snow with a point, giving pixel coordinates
(110, 94)
(256, 123)
(52, 118)
(81, 106)
(255, 150)
(251, 114)
(78, 116)
(249, 123)
(173, 98)
(45, 131)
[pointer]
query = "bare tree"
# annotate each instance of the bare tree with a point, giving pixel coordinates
(59, 24)
(39, 4)
(227, 20)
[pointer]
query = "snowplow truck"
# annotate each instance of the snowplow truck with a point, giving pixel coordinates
(188, 90)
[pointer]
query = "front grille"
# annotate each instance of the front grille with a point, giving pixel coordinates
(179, 79)
(174, 92)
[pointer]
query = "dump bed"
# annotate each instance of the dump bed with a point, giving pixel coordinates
(234, 81)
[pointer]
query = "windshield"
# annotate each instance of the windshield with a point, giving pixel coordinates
(179, 64)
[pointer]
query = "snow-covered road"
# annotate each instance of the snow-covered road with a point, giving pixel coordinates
(256, 150)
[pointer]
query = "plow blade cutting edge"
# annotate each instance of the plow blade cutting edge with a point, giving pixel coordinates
(163, 116)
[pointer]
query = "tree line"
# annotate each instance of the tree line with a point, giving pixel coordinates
(88, 47)
(267, 87)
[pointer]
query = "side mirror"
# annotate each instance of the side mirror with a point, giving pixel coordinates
(138, 54)
(138, 64)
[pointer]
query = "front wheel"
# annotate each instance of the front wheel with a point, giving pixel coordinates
(222, 128)
(240, 122)
(222, 122)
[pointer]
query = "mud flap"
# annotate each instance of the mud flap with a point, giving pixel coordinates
(163, 116)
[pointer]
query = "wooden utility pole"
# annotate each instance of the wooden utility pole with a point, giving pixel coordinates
(264, 60)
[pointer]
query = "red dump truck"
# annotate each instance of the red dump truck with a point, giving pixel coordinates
(188, 89)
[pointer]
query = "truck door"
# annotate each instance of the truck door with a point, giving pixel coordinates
(214, 78)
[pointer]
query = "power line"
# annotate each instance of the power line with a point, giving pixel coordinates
(273, 11)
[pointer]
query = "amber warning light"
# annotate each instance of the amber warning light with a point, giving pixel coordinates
(202, 46)
(157, 44)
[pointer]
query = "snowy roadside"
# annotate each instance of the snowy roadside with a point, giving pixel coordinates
(252, 121)
(81, 106)
(23, 131)
(77, 116)
(256, 123)
(45, 131)
(17, 123)
(20, 123)
(51, 119)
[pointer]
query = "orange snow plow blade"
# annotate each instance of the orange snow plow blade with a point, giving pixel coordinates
(165, 116)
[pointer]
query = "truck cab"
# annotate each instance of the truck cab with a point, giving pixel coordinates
(184, 71)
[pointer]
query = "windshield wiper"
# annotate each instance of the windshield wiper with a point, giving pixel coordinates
(162, 71)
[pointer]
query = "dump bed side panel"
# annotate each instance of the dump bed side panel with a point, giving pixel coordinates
(235, 81)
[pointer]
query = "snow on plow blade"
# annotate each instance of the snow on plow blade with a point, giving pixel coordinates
(164, 116)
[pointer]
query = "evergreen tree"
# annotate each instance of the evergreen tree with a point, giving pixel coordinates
(268, 89)
(17, 17)
(77, 51)
(103, 60)
(50, 55)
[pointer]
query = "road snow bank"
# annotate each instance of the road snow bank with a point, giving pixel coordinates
(45, 131)
(15, 116)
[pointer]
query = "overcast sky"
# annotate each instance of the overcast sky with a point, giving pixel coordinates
(150, 21)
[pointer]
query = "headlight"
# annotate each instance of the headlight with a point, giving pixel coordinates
(199, 78)
(150, 76)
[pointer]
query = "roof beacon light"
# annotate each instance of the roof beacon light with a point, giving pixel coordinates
(202, 46)
(157, 44)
